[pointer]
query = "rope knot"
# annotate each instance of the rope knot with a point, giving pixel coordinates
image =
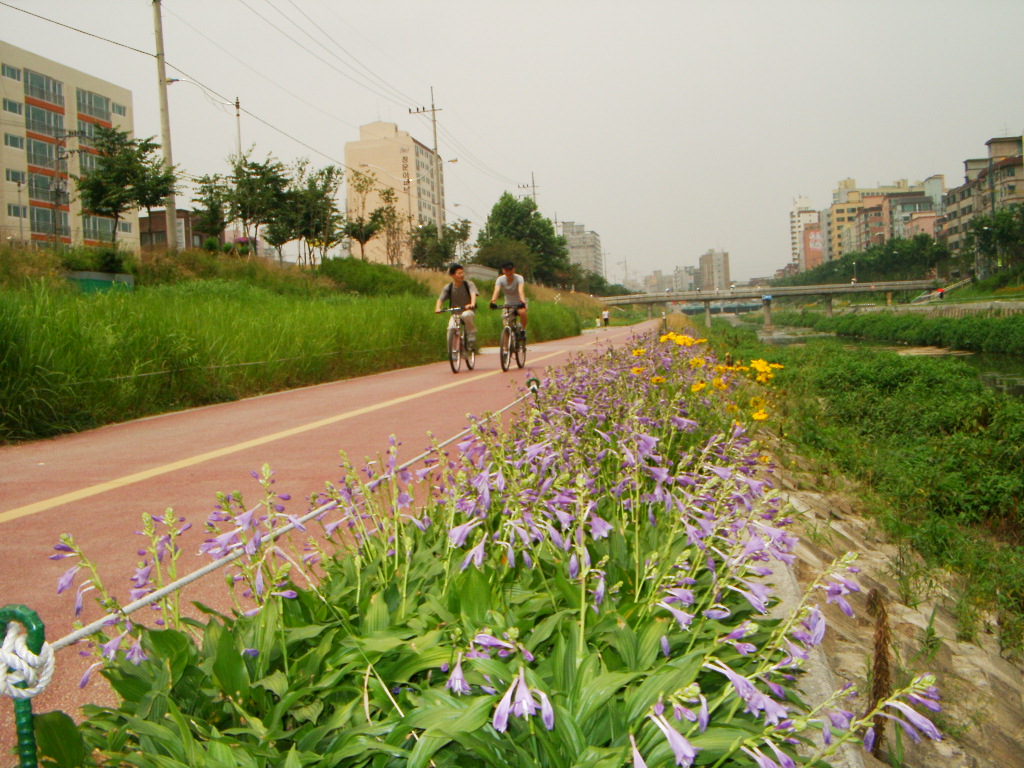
(18, 665)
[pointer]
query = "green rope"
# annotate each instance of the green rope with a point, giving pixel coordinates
(23, 707)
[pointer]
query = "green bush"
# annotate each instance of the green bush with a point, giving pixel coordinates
(369, 278)
(211, 244)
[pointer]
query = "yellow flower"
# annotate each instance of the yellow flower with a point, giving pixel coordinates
(639, 352)
(760, 415)
(718, 383)
(731, 408)
(667, 337)
(684, 340)
(764, 458)
(696, 362)
(697, 386)
(657, 379)
(757, 402)
(637, 369)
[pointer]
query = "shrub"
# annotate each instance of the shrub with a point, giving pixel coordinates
(369, 278)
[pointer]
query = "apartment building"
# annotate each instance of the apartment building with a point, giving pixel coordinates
(801, 215)
(584, 246)
(849, 230)
(411, 169)
(49, 115)
(990, 184)
(714, 270)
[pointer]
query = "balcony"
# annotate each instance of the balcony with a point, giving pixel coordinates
(42, 94)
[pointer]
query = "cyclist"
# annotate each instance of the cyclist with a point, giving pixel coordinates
(461, 292)
(514, 287)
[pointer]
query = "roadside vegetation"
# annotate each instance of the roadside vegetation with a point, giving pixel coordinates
(582, 586)
(201, 328)
(937, 454)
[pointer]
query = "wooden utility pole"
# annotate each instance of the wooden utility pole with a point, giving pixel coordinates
(531, 186)
(170, 205)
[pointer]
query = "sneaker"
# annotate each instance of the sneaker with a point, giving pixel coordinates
(471, 345)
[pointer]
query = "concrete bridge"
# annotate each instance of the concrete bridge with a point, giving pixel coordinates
(767, 293)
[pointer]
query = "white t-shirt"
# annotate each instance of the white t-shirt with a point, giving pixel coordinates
(511, 291)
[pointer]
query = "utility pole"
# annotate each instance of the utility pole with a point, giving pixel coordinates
(438, 202)
(170, 206)
(531, 186)
(21, 216)
(238, 128)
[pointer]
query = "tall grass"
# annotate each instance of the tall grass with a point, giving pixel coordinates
(70, 361)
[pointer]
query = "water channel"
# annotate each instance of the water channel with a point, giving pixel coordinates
(1002, 372)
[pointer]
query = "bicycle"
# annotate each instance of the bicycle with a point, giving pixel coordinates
(458, 345)
(513, 337)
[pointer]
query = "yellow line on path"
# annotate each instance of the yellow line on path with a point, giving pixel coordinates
(137, 477)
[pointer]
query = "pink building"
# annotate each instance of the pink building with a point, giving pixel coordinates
(812, 246)
(921, 223)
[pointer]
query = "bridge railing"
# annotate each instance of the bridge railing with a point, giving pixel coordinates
(746, 292)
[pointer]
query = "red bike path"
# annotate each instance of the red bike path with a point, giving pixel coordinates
(96, 484)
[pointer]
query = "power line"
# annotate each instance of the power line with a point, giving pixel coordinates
(76, 29)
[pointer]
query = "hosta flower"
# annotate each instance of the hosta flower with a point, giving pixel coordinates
(638, 759)
(685, 753)
(457, 681)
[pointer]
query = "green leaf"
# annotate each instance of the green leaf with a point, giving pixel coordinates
(276, 682)
(474, 597)
(58, 739)
(229, 668)
(292, 760)
(377, 617)
(173, 647)
(309, 712)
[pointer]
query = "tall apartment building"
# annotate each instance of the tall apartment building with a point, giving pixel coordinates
(990, 184)
(49, 114)
(685, 278)
(714, 270)
(584, 246)
(409, 168)
(800, 216)
(850, 230)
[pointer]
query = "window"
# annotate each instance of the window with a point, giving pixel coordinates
(39, 187)
(40, 153)
(10, 140)
(44, 88)
(97, 228)
(17, 211)
(124, 226)
(8, 71)
(87, 132)
(18, 177)
(42, 221)
(86, 161)
(14, 107)
(93, 104)
(118, 109)
(43, 120)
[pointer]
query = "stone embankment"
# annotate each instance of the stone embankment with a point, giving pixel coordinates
(982, 690)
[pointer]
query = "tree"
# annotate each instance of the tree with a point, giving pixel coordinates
(313, 210)
(211, 202)
(128, 175)
(519, 220)
(433, 250)
(360, 227)
(256, 193)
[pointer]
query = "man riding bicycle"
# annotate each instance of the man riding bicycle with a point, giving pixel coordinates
(514, 287)
(461, 293)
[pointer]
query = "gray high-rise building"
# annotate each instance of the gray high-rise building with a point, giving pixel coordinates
(584, 246)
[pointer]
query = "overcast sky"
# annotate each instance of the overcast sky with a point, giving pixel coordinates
(667, 126)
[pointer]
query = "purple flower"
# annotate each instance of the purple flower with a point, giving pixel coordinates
(501, 712)
(109, 649)
(703, 715)
(457, 535)
(599, 528)
(682, 617)
(547, 712)
(918, 720)
(290, 594)
(762, 760)
(135, 654)
(665, 647)
(67, 578)
(638, 759)
(88, 673)
(684, 751)
(475, 556)
(252, 653)
(869, 739)
(523, 705)
(457, 681)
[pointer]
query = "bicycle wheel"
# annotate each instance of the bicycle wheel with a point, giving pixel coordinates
(454, 349)
(470, 354)
(520, 347)
(507, 342)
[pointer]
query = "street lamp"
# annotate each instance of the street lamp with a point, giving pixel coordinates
(855, 271)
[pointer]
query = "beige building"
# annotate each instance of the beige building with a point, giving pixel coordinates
(584, 247)
(847, 229)
(409, 168)
(714, 270)
(49, 112)
(990, 184)
(801, 215)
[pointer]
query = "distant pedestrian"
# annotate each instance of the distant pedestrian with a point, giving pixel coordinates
(605, 316)
(942, 292)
